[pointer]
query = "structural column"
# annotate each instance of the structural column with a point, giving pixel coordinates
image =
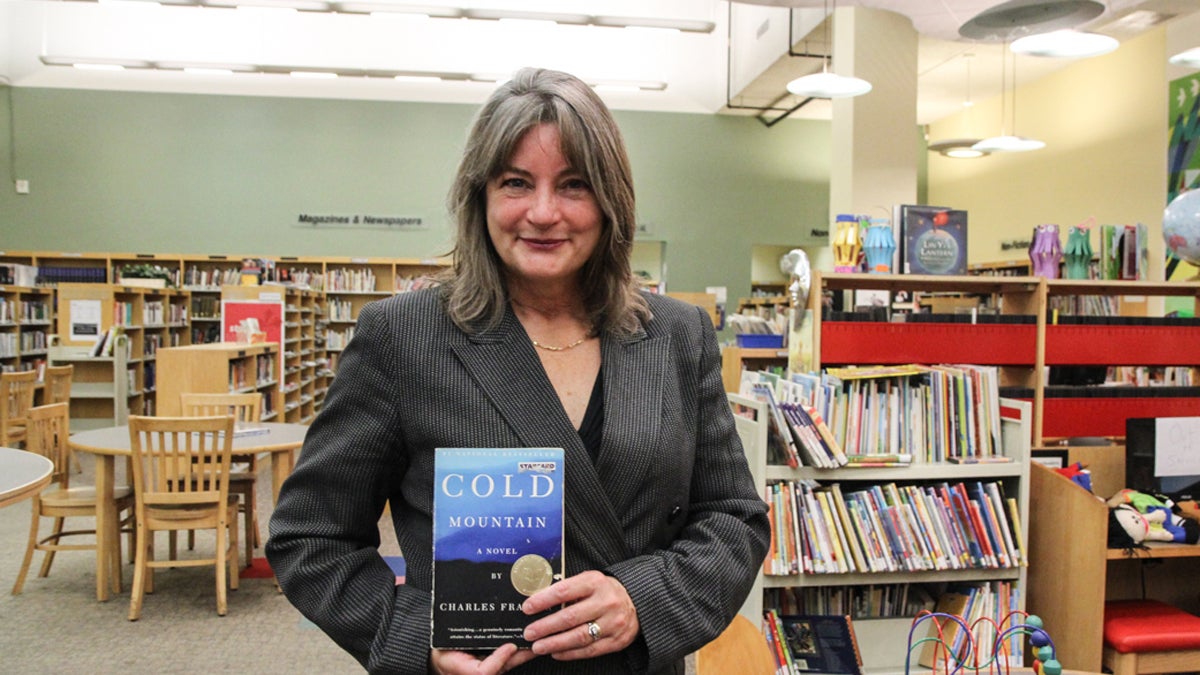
(875, 138)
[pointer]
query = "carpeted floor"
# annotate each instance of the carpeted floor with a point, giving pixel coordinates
(57, 626)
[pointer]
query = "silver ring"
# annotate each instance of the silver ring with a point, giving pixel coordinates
(593, 629)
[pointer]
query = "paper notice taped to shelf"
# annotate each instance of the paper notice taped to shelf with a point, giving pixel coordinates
(1177, 446)
(85, 320)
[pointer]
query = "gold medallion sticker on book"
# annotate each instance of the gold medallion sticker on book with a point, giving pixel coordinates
(531, 573)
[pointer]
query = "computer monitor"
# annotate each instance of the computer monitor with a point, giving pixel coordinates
(1162, 454)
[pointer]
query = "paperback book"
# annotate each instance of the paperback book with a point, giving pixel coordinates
(497, 539)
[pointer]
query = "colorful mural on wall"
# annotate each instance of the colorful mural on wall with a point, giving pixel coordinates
(1183, 163)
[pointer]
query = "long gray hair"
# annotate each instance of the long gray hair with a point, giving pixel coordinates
(591, 142)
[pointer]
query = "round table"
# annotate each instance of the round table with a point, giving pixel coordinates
(22, 475)
(108, 443)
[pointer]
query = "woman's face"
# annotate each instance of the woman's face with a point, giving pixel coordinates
(542, 215)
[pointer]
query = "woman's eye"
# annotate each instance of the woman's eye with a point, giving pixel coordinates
(513, 182)
(576, 184)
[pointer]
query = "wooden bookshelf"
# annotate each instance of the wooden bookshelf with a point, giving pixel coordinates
(1073, 572)
(219, 368)
(26, 324)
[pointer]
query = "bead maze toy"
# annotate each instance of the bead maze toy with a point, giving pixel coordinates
(974, 658)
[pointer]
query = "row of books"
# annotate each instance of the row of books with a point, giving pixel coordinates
(355, 281)
(25, 311)
(890, 528)
(811, 643)
(869, 601)
(984, 607)
(890, 414)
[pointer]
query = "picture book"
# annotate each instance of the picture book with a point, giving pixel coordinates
(933, 239)
(497, 539)
(818, 643)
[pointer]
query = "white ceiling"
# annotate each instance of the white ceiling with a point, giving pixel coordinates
(694, 66)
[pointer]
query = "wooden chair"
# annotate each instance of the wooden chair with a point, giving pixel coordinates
(180, 482)
(17, 390)
(740, 648)
(57, 389)
(48, 429)
(243, 478)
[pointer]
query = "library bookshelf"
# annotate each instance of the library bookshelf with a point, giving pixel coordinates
(221, 368)
(26, 323)
(150, 319)
(883, 641)
(100, 385)
(1022, 342)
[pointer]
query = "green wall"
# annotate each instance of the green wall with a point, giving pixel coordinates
(150, 172)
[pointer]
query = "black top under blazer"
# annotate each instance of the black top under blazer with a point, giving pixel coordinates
(669, 508)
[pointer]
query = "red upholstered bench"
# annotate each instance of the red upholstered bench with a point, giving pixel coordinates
(1148, 636)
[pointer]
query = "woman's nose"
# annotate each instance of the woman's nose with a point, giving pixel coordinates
(544, 209)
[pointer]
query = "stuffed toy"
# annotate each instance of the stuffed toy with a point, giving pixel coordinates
(1163, 522)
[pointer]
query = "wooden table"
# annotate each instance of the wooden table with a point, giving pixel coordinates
(281, 441)
(22, 475)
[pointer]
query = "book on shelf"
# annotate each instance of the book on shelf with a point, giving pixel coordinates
(889, 527)
(814, 643)
(982, 607)
(497, 539)
(932, 239)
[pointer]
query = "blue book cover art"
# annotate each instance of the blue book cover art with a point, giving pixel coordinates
(934, 240)
(497, 539)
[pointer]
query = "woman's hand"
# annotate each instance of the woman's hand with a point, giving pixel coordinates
(598, 618)
(504, 659)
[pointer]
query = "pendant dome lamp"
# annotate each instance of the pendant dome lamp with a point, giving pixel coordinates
(826, 84)
(1006, 142)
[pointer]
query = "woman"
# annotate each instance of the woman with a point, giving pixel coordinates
(538, 337)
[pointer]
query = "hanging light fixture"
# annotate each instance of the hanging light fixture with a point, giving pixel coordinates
(1066, 43)
(961, 148)
(826, 84)
(1188, 59)
(1006, 142)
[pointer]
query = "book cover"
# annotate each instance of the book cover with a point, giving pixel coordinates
(933, 240)
(934, 653)
(820, 643)
(497, 539)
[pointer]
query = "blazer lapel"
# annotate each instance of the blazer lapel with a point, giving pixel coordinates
(503, 363)
(634, 371)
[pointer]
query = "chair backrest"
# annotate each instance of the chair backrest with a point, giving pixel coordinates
(17, 389)
(48, 429)
(740, 648)
(181, 460)
(58, 384)
(243, 407)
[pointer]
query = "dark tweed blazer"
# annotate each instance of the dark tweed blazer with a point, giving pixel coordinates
(669, 508)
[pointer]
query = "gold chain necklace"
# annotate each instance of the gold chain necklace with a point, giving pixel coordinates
(552, 348)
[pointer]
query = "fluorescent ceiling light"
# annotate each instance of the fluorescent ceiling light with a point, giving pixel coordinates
(389, 8)
(208, 71)
(416, 78)
(554, 17)
(828, 85)
(298, 5)
(683, 25)
(1187, 59)
(314, 74)
(1065, 44)
(1008, 144)
(99, 66)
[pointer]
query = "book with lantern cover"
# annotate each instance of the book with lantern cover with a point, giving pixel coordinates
(933, 239)
(497, 539)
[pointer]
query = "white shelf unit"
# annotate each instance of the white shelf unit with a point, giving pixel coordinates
(883, 641)
(99, 385)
